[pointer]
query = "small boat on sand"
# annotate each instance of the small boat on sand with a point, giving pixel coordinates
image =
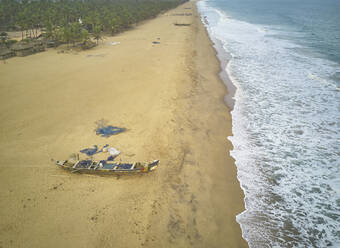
(106, 167)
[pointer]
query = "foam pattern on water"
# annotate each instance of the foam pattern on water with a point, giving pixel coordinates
(286, 135)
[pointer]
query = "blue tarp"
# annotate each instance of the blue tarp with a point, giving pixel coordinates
(92, 151)
(110, 158)
(125, 166)
(84, 163)
(107, 131)
(111, 166)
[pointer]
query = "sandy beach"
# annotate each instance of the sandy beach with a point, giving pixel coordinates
(168, 96)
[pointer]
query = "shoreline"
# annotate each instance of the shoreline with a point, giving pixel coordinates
(224, 63)
(224, 59)
(49, 111)
(226, 99)
(229, 98)
(224, 75)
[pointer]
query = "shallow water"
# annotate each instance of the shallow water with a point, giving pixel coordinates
(285, 117)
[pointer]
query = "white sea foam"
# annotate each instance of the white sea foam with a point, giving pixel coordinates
(285, 135)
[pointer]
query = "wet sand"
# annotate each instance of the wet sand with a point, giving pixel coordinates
(169, 98)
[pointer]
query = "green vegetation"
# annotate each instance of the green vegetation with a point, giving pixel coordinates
(4, 41)
(71, 21)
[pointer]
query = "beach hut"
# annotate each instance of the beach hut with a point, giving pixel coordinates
(6, 53)
(22, 49)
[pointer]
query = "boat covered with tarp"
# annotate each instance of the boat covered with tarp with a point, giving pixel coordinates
(106, 167)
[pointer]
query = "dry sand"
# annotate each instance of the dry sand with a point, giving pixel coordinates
(170, 99)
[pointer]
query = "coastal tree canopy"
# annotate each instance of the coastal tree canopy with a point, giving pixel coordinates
(61, 18)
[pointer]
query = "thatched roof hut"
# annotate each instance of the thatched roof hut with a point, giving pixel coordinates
(21, 46)
(22, 49)
(6, 53)
(26, 48)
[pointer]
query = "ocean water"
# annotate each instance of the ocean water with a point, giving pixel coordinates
(285, 63)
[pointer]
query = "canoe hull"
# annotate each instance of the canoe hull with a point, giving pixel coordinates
(96, 169)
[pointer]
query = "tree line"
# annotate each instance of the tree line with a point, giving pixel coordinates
(73, 21)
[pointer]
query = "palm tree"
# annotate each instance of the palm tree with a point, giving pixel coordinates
(84, 36)
(59, 17)
(97, 33)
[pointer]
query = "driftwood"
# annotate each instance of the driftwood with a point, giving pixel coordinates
(182, 14)
(182, 24)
